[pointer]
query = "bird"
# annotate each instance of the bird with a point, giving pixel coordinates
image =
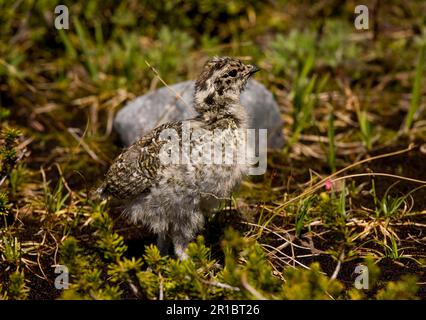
(173, 198)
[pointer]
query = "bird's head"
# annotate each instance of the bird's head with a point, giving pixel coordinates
(221, 81)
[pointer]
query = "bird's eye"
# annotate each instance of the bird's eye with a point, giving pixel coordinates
(232, 73)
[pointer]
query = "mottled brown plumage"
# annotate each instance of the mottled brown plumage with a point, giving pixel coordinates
(135, 170)
(173, 198)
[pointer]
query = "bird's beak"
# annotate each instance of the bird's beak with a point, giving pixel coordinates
(253, 69)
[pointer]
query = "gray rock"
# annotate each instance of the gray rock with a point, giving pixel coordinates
(148, 111)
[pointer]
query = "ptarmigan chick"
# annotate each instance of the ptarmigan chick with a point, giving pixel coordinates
(171, 198)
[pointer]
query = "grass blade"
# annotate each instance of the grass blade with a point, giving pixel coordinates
(417, 88)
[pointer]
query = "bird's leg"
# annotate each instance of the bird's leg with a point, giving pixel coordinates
(180, 244)
(163, 244)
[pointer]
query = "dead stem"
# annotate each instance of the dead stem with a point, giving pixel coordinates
(177, 95)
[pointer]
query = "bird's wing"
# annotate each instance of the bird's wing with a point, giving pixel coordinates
(136, 169)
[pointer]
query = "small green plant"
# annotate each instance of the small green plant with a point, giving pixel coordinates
(10, 249)
(392, 251)
(404, 289)
(310, 284)
(389, 206)
(417, 87)
(88, 52)
(341, 207)
(112, 244)
(8, 151)
(55, 200)
(331, 154)
(365, 128)
(4, 204)
(18, 290)
(168, 52)
(306, 204)
(17, 176)
(287, 53)
(304, 96)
